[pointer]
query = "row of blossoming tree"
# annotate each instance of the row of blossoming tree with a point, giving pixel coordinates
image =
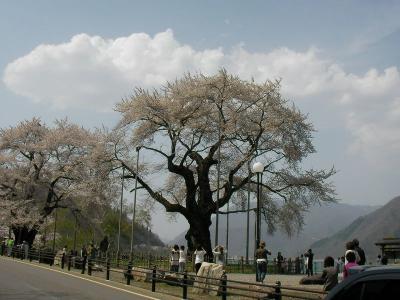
(185, 128)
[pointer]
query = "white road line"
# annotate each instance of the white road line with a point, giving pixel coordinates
(87, 279)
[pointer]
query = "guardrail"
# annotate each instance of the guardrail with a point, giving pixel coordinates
(222, 287)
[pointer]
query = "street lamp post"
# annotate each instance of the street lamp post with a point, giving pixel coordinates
(248, 220)
(134, 199)
(218, 177)
(258, 168)
(120, 215)
(227, 233)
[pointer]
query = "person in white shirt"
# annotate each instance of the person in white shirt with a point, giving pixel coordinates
(175, 259)
(182, 259)
(219, 255)
(199, 252)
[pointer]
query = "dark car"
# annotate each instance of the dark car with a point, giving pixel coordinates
(369, 283)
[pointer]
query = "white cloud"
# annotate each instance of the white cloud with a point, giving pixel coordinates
(90, 71)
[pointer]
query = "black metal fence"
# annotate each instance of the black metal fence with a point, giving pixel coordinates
(156, 277)
(232, 265)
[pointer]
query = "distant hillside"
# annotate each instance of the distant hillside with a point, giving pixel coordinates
(321, 221)
(108, 226)
(384, 222)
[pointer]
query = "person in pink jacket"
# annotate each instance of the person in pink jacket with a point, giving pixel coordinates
(351, 262)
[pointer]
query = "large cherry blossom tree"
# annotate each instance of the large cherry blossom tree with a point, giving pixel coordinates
(187, 125)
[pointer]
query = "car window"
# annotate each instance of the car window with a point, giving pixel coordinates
(382, 289)
(352, 292)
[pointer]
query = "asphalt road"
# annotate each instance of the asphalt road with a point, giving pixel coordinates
(23, 281)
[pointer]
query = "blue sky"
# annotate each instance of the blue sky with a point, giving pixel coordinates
(339, 62)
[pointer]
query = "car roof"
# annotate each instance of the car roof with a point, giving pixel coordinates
(366, 271)
(384, 269)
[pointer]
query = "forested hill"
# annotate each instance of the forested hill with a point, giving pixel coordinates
(320, 221)
(88, 230)
(384, 222)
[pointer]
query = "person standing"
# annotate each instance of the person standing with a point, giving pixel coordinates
(379, 259)
(25, 248)
(279, 262)
(361, 254)
(350, 247)
(351, 262)
(199, 257)
(174, 259)
(10, 245)
(3, 247)
(219, 254)
(303, 264)
(84, 255)
(182, 259)
(262, 262)
(297, 265)
(310, 259)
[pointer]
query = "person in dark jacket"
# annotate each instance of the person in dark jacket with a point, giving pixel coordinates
(279, 261)
(361, 254)
(330, 273)
(310, 255)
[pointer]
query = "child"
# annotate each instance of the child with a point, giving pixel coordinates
(351, 262)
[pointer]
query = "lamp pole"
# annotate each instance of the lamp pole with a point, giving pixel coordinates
(134, 199)
(227, 234)
(120, 214)
(218, 176)
(248, 220)
(258, 168)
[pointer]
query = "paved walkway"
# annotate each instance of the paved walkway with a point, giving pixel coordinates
(24, 280)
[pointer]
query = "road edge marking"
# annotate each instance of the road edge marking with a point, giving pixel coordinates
(84, 278)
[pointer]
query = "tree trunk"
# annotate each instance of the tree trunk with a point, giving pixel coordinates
(23, 233)
(199, 233)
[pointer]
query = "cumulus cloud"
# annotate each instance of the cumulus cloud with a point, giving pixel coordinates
(93, 72)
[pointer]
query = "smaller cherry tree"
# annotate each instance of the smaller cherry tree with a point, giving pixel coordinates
(43, 168)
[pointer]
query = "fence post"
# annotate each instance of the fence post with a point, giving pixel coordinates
(30, 255)
(39, 256)
(89, 266)
(129, 273)
(278, 295)
(185, 284)
(223, 285)
(108, 268)
(52, 258)
(242, 264)
(153, 279)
